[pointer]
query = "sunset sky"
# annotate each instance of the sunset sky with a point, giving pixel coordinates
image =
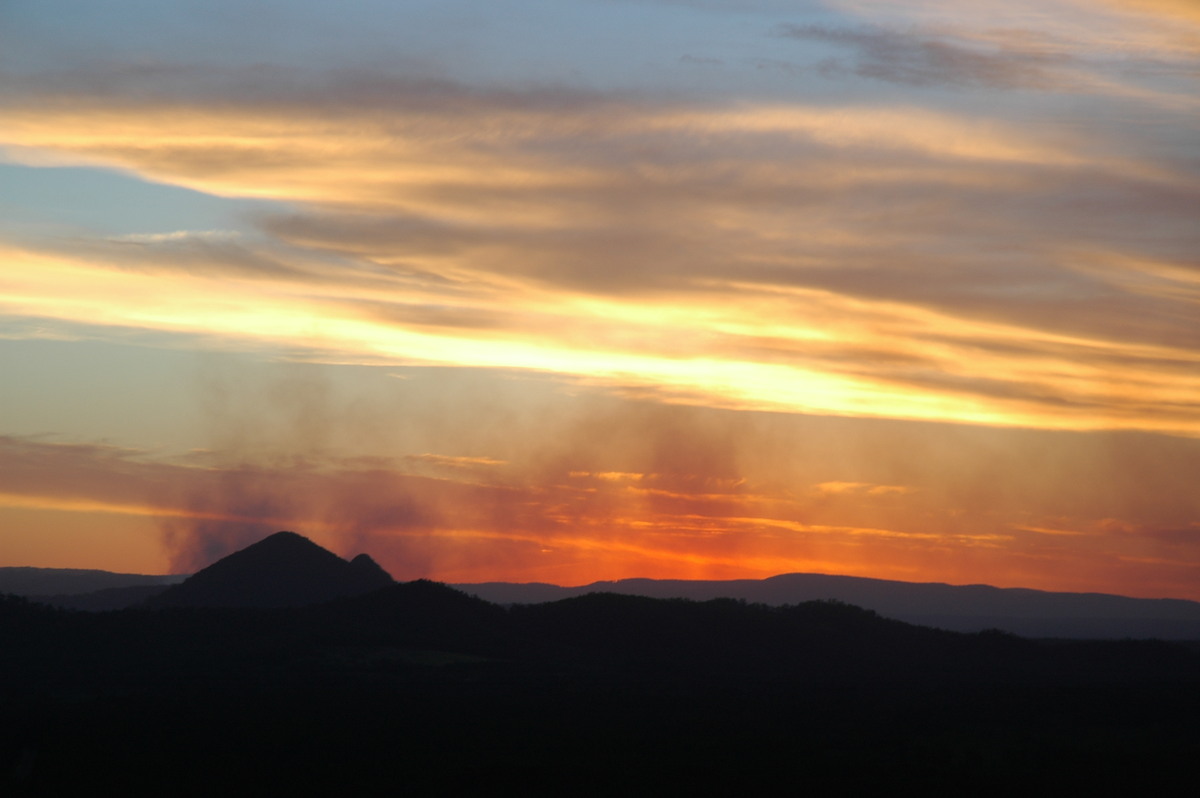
(569, 290)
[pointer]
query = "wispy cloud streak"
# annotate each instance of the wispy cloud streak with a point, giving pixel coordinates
(700, 497)
(864, 261)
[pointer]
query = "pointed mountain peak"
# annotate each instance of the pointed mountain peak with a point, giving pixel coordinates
(281, 547)
(282, 570)
(284, 541)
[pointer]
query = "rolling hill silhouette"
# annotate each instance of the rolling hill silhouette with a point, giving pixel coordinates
(282, 570)
(959, 608)
(26, 581)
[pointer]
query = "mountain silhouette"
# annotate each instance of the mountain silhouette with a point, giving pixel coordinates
(26, 581)
(959, 608)
(282, 570)
(420, 614)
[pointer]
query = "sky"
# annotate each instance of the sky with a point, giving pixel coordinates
(577, 290)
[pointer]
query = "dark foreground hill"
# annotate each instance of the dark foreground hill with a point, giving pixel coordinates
(282, 570)
(420, 689)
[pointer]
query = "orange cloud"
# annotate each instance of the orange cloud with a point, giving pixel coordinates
(529, 232)
(575, 523)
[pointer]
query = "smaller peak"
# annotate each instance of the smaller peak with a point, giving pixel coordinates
(366, 568)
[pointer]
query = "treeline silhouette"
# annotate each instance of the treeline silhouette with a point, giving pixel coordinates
(421, 689)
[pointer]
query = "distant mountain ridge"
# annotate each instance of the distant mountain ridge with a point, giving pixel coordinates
(287, 569)
(961, 608)
(28, 581)
(282, 570)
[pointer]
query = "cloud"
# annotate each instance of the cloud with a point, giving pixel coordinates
(1095, 26)
(1110, 50)
(903, 58)
(871, 261)
(861, 489)
(1181, 17)
(594, 489)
